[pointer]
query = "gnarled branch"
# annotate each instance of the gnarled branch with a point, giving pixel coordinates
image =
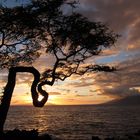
(8, 90)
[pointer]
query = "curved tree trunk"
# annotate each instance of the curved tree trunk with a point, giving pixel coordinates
(8, 90)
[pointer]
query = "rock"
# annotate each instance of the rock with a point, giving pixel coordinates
(17, 134)
(137, 133)
(109, 138)
(45, 137)
(95, 138)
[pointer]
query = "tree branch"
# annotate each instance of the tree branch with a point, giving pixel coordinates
(3, 38)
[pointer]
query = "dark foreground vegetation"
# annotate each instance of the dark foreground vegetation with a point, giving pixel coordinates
(34, 135)
(23, 135)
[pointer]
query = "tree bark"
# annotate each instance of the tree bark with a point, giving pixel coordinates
(8, 90)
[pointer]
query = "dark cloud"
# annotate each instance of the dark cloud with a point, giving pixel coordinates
(124, 82)
(54, 93)
(45, 61)
(81, 84)
(121, 15)
(92, 91)
(64, 90)
(120, 91)
(83, 95)
(21, 78)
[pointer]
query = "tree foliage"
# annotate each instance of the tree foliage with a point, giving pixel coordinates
(26, 30)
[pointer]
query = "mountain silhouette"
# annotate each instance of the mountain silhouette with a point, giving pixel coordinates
(125, 101)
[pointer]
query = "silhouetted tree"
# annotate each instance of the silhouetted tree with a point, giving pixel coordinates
(26, 31)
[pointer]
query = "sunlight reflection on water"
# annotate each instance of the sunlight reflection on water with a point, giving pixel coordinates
(75, 122)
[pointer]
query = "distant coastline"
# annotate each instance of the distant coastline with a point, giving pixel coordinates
(125, 101)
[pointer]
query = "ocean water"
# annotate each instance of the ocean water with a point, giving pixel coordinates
(76, 122)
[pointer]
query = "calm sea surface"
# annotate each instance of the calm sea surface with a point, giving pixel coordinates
(75, 122)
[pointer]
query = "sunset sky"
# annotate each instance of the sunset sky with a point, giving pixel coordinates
(123, 17)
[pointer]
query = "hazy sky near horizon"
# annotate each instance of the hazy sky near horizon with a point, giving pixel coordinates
(123, 17)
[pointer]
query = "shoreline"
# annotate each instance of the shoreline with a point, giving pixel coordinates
(17, 134)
